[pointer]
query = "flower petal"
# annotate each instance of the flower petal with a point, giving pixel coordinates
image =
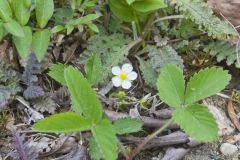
(116, 81)
(126, 84)
(127, 68)
(116, 70)
(132, 76)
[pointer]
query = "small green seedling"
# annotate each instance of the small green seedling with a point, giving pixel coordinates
(87, 115)
(192, 117)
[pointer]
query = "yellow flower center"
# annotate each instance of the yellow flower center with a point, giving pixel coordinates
(123, 76)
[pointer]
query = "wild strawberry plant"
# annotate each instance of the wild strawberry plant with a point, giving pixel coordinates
(87, 114)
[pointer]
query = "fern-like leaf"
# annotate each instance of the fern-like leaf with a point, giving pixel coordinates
(110, 49)
(22, 150)
(9, 85)
(201, 14)
(158, 58)
(223, 50)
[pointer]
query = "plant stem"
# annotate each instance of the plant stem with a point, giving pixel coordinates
(148, 138)
(122, 149)
(168, 17)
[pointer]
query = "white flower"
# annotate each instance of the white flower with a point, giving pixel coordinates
(123, 76)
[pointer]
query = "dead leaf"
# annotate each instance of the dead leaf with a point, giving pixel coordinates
(233, 115)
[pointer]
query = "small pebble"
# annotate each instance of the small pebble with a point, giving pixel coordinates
(237, 137)
(228, 149)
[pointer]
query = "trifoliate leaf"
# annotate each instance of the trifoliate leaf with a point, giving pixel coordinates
(104, 135)
(83, 96)
(127, 125)
(197, 121)
(57, 73)
(206, 83)
(171, 86)
(63, 123)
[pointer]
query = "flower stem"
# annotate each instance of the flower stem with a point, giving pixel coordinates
(149, 138)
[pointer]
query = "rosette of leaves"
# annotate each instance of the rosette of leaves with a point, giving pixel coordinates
(87, 115)
(9, 84)
(157, 59)
(193, 118)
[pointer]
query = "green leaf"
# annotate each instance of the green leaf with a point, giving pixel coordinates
(127, 125)
(148, 6)
(44, 11)
(197, 121)
(63, 123)
(105, 137)
(14, 28)
(93, 69)
(171, 85)
(21, 11)
(94, 150)
(27, 3)
(57, 73)
(129, 2)
(3, 32)
(122, 10)
(206, 83)
(57, 29)
(149, 75)
(23, 44)
(5, 11)
(83, 96)
(93, 27)
(86, 19)
(40, 43)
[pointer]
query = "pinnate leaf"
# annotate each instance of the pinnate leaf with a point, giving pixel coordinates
(105, 137)
(63, 123)
(171, 86)
(23, 44)
(206, 83)
(44, 11)
(57, 73)
(40, 43)
(83, 96)
(197, 121)
(127, 125)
